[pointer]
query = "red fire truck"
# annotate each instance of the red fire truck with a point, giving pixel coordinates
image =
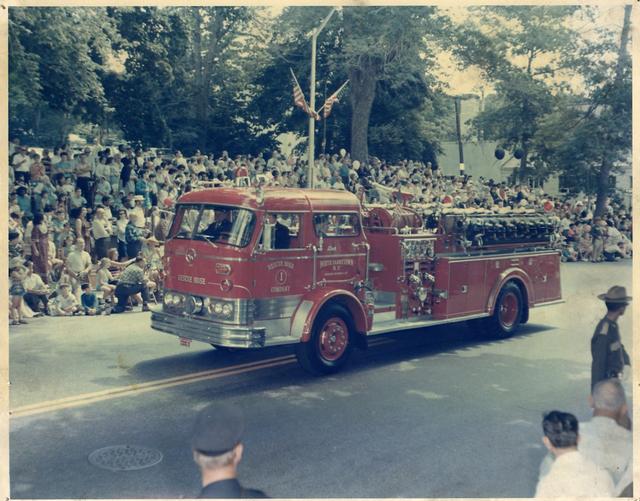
(250, 268)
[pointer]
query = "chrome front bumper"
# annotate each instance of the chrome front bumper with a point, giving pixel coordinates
(207, 331)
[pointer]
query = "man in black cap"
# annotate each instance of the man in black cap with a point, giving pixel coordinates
(217, 450)
(608, 354)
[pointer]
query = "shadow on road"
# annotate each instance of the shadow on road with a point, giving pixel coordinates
(393, 348)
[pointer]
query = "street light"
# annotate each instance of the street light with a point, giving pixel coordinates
(312, 97)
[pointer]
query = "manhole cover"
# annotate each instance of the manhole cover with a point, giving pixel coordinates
(125, 457)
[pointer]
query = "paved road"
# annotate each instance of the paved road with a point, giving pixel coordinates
(431, 414)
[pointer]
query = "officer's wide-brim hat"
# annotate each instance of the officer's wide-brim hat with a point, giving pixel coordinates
(616, 294)
(218, 429)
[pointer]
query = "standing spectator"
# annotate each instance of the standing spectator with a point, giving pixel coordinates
(77, 200)
(572, 474)
(598, 234)
(217, 449)
(78, 264)
(609, 358)
(133, 236)
(138, 210)
(22, 165)
(24, 201)
(36, 169)
(16, 290)
(121, 227)
(40, 247)
(102, 232)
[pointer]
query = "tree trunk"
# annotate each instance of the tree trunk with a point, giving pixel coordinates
(605, 166)
(603, 187)
(363, 91)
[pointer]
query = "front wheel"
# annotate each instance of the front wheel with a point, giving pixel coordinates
(508, 312)
(331, 342)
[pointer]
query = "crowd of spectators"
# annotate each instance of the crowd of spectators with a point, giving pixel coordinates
(78, 216)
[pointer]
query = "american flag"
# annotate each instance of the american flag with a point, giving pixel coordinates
(332, 99)
(300, 101)
(298, 97)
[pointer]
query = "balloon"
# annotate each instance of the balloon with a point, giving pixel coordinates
(343, 152)
(168, 202)
(356, 164)
(547, 205)
(499, 153)
(518, 154)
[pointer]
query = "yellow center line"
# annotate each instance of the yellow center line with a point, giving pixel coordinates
(160, 384)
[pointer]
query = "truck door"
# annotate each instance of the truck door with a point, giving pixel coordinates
(284, 263)
(342, 252)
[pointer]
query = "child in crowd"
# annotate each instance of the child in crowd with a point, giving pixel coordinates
(88, 300)
(16, 293)
(65, 303)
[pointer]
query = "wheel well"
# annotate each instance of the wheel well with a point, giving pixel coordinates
(354, 309)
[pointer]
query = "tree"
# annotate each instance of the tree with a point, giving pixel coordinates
(591, 133)
(520, 50)
(55, 59)
(385, 52)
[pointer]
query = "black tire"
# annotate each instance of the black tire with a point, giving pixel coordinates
(508, 312)
(331, 342)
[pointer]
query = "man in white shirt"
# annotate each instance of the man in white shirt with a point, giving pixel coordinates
(78, 264)
(602, 439)
(571, 474)
(36, 291)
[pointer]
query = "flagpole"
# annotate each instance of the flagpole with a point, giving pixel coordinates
(312, 97)
(324, 128)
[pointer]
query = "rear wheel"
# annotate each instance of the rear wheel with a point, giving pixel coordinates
(508, 312)
(331, 342)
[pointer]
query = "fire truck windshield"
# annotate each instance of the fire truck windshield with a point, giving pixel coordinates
(213, 223)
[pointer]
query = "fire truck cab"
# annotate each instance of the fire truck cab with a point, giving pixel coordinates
(248, 268)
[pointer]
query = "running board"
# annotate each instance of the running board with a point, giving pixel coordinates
(387, 326)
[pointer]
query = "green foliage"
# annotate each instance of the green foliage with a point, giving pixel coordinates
(56, 56)
(522, 50)
(385, 52)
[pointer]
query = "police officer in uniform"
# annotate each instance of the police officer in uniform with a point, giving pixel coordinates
(217, 450)
(608, 354)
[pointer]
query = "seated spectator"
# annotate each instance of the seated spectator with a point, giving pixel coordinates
(132, 281)
(105, 282)
(36, 291)
(571, 474)
(88, 300)
(65, 303)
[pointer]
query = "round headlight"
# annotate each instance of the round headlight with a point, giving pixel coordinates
(227, 310)
(217, 308)
(167, 299)
(176, 299)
